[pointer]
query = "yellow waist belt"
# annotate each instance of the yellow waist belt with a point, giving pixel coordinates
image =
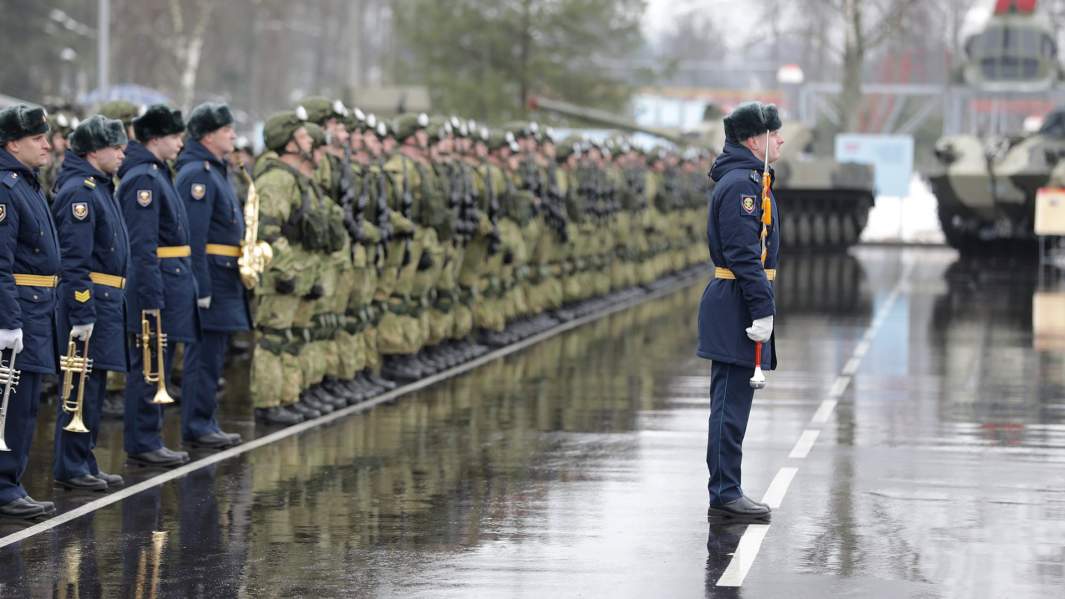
(108, 280)
(218, 249)
(25, 280)
(724, 273)
(173, 251)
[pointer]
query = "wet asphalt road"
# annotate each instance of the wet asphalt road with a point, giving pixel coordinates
(576, 467)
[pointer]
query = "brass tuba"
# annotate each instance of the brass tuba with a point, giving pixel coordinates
(255, 255)
(72, 364)
(154, 373)
(9, 379)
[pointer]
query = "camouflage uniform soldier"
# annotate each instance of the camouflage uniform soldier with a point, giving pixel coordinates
(402, 332)
(283, 179)
(62, 123)
(316, 320)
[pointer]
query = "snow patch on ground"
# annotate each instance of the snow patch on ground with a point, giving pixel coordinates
(911, 219)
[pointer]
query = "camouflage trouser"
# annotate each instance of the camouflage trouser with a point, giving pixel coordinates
(364, 286)
(442, 314)
(274, 314)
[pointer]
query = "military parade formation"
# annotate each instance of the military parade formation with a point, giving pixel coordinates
(354, 254)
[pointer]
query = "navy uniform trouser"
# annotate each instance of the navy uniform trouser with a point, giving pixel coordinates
(73, 451)
(18, 434)
(143, 420)
(204, 361)
(730, 406)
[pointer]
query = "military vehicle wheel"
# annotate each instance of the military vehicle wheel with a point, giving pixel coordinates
(849, 230)
(789, 234)
(805, 230)
(820, 229)
(835, 230)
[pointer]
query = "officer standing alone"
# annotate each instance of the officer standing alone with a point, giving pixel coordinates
(29, 269)
(737, 307)
(95, 256)
(216, 228)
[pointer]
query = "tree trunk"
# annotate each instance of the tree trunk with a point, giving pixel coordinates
(850, 98)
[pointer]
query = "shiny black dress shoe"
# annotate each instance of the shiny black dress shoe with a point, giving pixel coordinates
(162, 458)
(85, 482)
(112, 480)
(743, 508)
(22, 508)
(47, 506)
(215, 440)
(279, 415)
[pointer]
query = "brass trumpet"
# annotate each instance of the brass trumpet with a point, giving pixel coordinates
(9, 378)
(72, 364)
(158, 374)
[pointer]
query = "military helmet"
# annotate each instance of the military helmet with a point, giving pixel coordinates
(502, 138)
(568, 147)
(356, 120)
(408, 124)
(320, 109)
(280, 127)
(317, 134)
(121, 110)
(62, 122)
(439, 128)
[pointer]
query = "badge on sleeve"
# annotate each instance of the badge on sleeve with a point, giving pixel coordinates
(82, 296)
(80, 210)
(747, 203)
(3, 212)
(144, 197)
(198, 191)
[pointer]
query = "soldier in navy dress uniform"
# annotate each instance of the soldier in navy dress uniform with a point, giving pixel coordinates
(160, 273)
(95, 256)
(29, 272)
(737, 306)
(216, 222)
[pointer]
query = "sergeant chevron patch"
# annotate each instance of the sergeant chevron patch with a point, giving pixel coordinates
(144, 197)
(82, 296)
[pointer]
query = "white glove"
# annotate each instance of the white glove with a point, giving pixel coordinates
(11, 338)
(81, 331)
(204, 302)
(761, 330)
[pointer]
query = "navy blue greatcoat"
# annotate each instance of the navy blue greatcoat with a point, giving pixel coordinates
(28, 246)
(155, 217)
(734, 223)
(92, 238)
(215, 217)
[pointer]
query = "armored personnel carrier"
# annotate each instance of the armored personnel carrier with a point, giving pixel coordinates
(986, 184)
(824, 203)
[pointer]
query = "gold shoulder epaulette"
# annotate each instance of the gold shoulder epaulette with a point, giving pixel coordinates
(90, 183)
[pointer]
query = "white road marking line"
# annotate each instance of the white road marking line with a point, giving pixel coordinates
(839, 386)
(862, 348)
(824, 412)
(774, 495)
(232, 452)
(743, 559)
(804, 444)
(852, 366)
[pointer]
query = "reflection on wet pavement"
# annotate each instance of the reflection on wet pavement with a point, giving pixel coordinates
(575, 468)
